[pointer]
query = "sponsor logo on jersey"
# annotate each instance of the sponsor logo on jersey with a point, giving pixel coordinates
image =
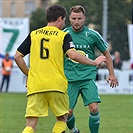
(71, 45)
(86, 33)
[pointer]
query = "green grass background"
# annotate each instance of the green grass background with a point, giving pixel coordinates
(116, 114)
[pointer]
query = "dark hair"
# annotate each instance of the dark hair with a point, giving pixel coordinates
(54, 12)
(77, 9)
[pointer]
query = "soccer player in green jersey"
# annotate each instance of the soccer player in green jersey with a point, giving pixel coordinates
(46, 81)
(81, 78)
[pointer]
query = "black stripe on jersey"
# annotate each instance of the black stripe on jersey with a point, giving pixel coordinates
(24, 48)
(66, 44)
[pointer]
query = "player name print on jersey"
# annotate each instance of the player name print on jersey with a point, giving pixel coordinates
(47, 32)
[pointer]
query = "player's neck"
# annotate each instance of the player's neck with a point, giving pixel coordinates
(53, 24)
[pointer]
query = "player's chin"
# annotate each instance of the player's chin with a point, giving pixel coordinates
(77, 28)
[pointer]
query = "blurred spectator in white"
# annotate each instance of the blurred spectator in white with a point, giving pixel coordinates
(117, 62)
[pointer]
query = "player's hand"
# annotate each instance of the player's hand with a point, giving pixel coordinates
(100, 59)
(113, 81)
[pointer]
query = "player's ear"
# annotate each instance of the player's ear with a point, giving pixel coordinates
(59, 19)
(69, 17)
(84, 17)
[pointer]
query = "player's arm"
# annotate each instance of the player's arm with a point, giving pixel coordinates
(21, 63)
(74, 55)
(22, 51)
(112, 79)
(103, 47)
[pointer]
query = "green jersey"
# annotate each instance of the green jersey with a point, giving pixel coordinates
(85, 42)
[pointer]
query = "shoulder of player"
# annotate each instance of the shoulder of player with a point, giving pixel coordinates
(94, 33)
(67, 29)
(35, 30)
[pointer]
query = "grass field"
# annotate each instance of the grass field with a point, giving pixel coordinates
(116, 114)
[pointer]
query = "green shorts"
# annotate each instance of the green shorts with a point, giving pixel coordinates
(87, 89)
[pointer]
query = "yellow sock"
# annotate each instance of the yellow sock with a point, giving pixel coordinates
(28, 130)
(59, 127)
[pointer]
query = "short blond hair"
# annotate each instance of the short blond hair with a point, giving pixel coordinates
(77, 9)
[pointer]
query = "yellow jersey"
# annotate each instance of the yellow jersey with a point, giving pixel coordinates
(47, 47)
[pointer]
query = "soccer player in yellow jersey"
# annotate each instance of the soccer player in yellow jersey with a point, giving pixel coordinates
(46, 81)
